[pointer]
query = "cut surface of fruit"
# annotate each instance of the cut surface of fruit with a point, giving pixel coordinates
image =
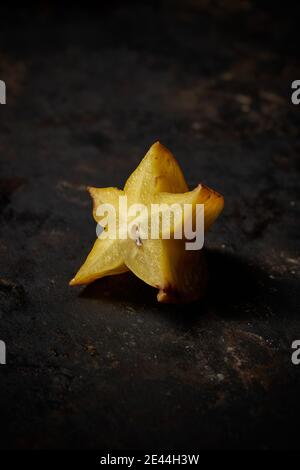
(102, 196)
(104, 259)
(157, 172)
(179, 274)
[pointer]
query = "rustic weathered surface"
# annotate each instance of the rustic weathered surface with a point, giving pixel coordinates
(106, 366)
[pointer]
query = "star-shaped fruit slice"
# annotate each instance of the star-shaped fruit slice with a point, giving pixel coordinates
(165, 263)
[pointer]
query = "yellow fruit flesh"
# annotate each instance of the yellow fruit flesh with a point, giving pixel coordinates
(185, 272)
(105, 259)
(213, 202)
(179, 274)
(157, 172)
(104, 196)
(146, 261)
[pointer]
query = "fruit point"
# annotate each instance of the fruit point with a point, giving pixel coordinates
(163, 262)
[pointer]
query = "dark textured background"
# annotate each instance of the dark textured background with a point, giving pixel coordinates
(89, 90)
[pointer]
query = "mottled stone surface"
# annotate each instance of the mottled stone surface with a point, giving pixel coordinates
(87, 93)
